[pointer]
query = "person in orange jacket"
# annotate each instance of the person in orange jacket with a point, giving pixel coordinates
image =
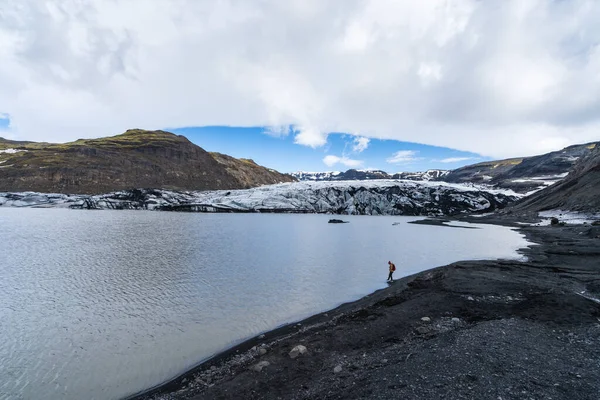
(392, 269)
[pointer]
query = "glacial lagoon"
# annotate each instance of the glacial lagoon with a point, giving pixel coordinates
(104, 304)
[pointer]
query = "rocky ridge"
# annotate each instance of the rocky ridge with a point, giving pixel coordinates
(579, 191)
(523, 174)
(136, 158)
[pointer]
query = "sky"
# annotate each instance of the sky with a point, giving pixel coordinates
(342, 151)
(489, 79)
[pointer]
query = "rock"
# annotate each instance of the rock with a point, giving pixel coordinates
(554, 221)
(259, 366)
(261, 337)
(596, 223)
(298, 350)
(470, 298)
(455, 319)
(426, 319)
(337, 221)
(422, 330)
(213, 368)
(262, 351)
(337, 369)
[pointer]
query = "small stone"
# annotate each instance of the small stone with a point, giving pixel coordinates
(426, 319)
(298, 350)
(384, 360)
(337, 369)
(455, 319)
(213, 368)
(470, 298)
(259, 366)
(262, 351)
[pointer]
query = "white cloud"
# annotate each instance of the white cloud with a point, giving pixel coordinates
(360, 144)
(332, 160)
(403, 157)
(500, 79)
(455, 159)
(278, 130)
(309, 136)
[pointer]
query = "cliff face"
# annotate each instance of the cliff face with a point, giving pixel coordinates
(134, 159)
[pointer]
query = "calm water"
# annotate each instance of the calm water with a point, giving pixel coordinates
(99, 305)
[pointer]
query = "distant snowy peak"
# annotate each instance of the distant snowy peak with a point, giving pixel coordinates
(368, 174)
(429, 175)
(315, 176)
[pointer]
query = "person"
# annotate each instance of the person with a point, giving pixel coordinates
(392, 269)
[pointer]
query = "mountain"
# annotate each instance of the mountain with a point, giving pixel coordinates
(579, 191)
(429, 175)
(368, 174)
(523, 174)
(315, 176)
(375, 197)
(134, 159)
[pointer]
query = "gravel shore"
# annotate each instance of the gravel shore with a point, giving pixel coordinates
(469, 330)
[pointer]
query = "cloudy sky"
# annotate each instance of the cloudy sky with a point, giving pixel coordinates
(488, 79)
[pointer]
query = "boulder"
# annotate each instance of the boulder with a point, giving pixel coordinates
(260, 365)
(422, 330)
(337, 221)
(298, 350)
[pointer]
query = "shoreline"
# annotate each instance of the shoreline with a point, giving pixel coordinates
(263, 363)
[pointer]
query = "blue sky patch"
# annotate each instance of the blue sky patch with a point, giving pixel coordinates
(4, 121)
(342, 151)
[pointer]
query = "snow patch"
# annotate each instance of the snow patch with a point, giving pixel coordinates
(12, 151)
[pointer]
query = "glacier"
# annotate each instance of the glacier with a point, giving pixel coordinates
(377, 197)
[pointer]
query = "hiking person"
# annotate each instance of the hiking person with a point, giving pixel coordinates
(392, 269)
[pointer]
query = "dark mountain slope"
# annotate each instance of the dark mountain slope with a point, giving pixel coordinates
(248, 173)
(522, 174)
(579, 191)
(134, 159)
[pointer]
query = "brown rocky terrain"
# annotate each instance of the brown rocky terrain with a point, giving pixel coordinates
(134, 159)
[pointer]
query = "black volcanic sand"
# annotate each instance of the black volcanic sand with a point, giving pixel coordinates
(496, 330)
